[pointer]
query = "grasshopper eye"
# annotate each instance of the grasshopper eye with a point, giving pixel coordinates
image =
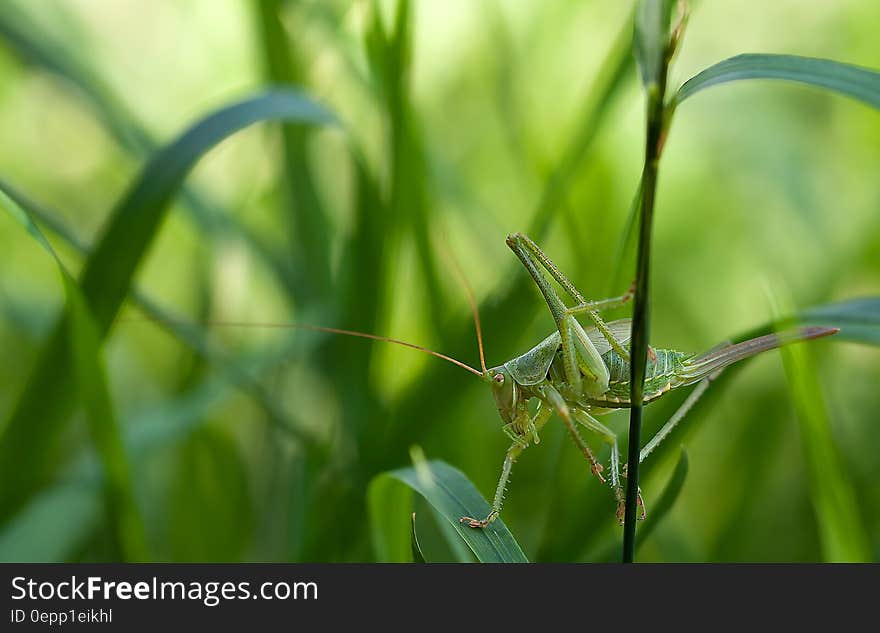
(499, 379)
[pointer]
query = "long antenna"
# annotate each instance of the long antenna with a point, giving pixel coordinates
(332, 330)
(469, 293)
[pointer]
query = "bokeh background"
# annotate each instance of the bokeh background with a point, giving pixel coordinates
(462, 121)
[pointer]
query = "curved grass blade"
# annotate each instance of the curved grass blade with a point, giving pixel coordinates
(189, 334)
(458, 549)
(862, 84)
(90, 378)
(417, 555)
(667, 498)
(67, 63)
(32, 430)
(453, 496)
(136, 219)
(858, 319)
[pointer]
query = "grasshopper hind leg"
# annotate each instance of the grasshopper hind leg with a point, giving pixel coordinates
(609, 437)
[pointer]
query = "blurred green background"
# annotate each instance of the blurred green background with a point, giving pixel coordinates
(462, 121)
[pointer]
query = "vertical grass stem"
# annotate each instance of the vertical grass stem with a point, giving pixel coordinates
(640, 328)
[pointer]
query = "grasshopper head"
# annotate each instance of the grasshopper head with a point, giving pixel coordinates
(505, 390)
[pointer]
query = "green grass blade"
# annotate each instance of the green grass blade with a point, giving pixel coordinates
(39, 535)
(667, 498)
(24, 219)
(66, 63)
(458, 549)
(862, 84)
(137, 217)
(308, 225)
(189, 334)
(33, 427)
(410, 173)
(858, 319)
(209, 505)
(453, 496)
(389, 529)
(841, 534)
(90, 377)
(417, 555)
(409, 204)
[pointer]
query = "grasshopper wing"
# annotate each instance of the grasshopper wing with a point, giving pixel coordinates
(698, 367)
(532, 367)
(620, 329)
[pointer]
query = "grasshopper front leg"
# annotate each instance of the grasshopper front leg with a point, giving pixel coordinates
(536, 423)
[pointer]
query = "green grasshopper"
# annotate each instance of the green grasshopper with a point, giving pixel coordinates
(579, 373)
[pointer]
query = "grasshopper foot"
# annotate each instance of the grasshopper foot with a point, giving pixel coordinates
(479, 523)
(597, 469)
(621, 503)
(640, 503)
(520, 440)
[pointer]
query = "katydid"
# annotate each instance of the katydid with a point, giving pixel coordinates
(580, 372)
